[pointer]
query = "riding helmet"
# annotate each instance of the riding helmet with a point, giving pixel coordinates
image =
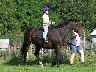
(45, 9)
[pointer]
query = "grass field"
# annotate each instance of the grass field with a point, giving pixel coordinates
(63, 68)
(48, 68)
(14, 64)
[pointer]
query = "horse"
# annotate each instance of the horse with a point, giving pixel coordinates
(55, 40)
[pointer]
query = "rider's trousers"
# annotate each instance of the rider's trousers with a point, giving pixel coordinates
(45, 27)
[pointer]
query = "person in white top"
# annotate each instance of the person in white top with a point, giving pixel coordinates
(76, 46)
(46, 22)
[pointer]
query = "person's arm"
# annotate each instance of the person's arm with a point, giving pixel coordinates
(44, 22)
(52, 22)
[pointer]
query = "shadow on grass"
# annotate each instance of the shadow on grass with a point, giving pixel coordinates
(47, 60)
(15, 61)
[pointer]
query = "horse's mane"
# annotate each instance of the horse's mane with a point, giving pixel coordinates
(66, 22)
(71, 20)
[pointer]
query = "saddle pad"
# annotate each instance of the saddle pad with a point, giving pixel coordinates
(39, 34)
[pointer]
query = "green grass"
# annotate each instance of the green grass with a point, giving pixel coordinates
(36, 68)
(13, 63)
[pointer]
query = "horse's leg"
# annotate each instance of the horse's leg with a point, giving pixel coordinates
(37, 54)
(24, 51)
(58, 56)
(25, 55)
(54, 61)
(58, 51)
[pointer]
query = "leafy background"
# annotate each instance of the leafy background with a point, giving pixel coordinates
(18, 15)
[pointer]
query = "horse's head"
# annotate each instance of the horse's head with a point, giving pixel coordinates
(76, 26)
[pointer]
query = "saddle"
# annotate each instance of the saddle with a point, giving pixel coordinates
(39, 33)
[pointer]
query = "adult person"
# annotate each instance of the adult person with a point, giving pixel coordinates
(76, 46)
(46, 22)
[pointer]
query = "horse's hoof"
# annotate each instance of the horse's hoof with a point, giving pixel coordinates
(40, 62)
(41, 65)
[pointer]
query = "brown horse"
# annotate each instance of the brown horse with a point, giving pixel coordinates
(55, 41)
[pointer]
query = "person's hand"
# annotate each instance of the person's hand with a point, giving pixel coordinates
(81, 42)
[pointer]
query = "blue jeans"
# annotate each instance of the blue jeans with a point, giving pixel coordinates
(75, 49)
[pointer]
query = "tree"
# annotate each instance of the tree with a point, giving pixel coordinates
(18, 15)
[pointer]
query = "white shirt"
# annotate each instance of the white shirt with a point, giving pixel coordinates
(75, 41)
(46, 17)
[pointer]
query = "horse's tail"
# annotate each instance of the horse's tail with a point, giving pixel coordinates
(28, 35)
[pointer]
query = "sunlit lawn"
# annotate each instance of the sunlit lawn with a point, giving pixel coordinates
(14, 65)
(36, 68)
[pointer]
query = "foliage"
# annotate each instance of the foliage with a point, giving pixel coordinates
(18, 15)
(85, 11)
(13, 63)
